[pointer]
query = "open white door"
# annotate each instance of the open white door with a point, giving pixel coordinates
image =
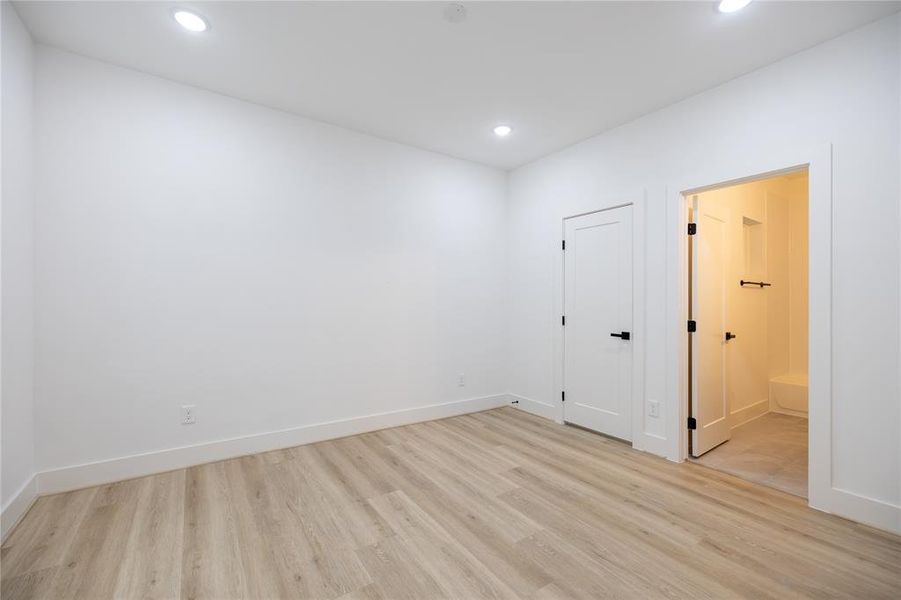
(709, 403)
(598, 321)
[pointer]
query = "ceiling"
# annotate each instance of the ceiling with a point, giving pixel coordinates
(558, 72)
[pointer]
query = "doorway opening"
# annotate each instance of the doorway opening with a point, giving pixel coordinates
(748, 314)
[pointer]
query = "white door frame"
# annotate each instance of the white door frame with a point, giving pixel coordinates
(741, 168)
(638, 203)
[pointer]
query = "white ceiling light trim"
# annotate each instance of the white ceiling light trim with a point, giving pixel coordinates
(503, 130)
(728, 6)
(190, 21)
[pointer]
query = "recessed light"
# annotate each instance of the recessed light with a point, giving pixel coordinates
(503, 130)
(190, 21)
(728, 6)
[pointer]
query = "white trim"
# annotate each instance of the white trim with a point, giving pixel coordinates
(897, 528)
(745, 415)
(864, 509)
(138, 465)
(744, 167)
(789, 412)
(17, 506)
(535, 407)
(641, 440)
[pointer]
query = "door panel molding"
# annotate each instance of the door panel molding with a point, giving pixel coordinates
(598, 301)
(644, 435)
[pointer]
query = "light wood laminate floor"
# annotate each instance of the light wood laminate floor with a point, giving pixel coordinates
(771, 450)
(499, 504)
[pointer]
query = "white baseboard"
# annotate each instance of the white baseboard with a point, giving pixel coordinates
(791, 413)
(542, 409)
(869, 511)
(138, 465)
(645, 442)
(841, 502)
(17, 506)
(749, 413)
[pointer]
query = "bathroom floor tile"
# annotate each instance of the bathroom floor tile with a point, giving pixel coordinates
(771, 450)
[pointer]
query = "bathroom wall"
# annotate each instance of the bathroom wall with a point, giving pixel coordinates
(787, 302)
(798, 270)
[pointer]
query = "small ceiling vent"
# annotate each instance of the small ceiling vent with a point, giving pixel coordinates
(454, 13)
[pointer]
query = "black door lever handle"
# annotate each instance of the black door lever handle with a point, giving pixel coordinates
(730, 335)
(625, 335)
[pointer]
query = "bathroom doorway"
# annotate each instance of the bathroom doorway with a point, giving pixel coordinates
(748, 307)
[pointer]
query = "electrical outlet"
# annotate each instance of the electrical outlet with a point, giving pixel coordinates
(461, 380)
(653, 408)
(187, 415)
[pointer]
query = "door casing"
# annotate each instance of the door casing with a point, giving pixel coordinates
(818, 161)
(636, 199)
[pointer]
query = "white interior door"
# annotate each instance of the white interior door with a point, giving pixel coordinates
(709, 404)
(598, 321)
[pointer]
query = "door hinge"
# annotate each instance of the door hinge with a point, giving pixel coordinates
(692, 423)
(562, 396)
(564, 245)
(563, 320)
(692, 228)
(692, 326)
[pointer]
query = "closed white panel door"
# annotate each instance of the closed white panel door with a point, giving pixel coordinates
(598, 322)
(709, 404)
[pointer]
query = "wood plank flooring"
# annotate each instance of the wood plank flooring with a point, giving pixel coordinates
(499, 504)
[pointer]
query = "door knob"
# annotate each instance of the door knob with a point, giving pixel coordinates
(730, 335)
(625, 335)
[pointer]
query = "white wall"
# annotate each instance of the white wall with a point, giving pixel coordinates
(844, 92)
(273, 271)
(788, 267)
(17, 269)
